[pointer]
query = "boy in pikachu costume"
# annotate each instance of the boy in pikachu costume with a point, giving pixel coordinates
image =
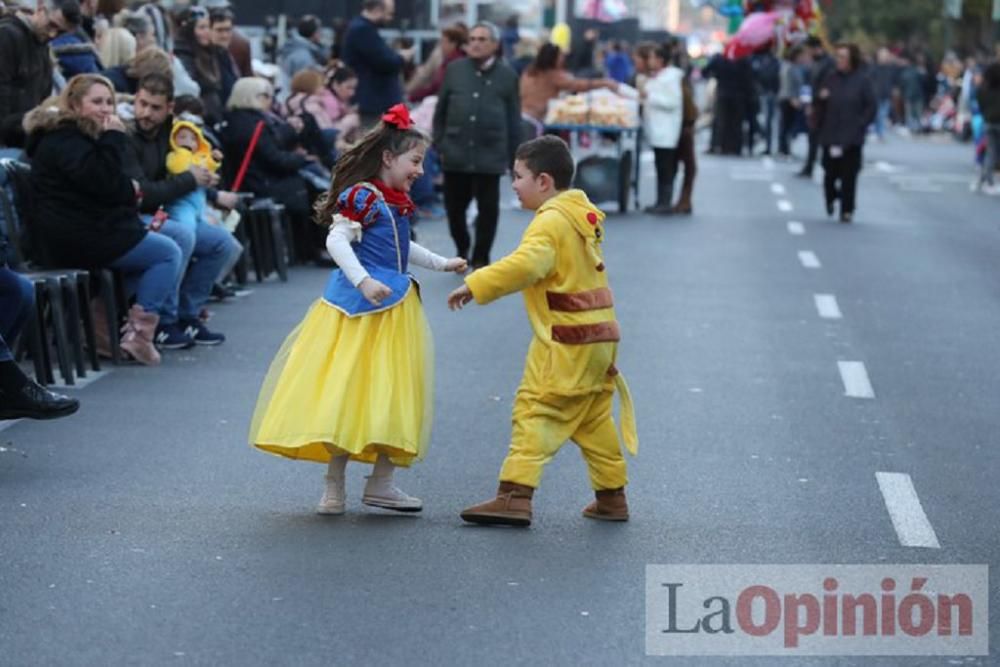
(570, 378)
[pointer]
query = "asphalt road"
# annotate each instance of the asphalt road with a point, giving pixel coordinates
(145, 531)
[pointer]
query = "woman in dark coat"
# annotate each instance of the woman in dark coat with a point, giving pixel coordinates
(847, 107)
(195, 50)
(86, 209)
(276, 161)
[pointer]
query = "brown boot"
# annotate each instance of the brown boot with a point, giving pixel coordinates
(102, 336)
(683, 207)
(137, 336)
(511, 507)
(610, 505)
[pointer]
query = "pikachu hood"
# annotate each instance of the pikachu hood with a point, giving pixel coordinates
(203, 145)
(587, 220)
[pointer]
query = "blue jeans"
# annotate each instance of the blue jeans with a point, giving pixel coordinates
(205, 251)
(17, 300)
(882, 117)
(152, 269)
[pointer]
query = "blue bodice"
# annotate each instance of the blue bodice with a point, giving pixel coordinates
(384, 251)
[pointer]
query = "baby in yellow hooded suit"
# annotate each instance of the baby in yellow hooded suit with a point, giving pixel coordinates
(570, 376)
(188, 147)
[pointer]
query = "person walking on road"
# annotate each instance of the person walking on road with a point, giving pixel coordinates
(354, 380)
(663, 116)
(477, 128)
(847, 107)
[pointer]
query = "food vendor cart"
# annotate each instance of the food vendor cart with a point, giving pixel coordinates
(605, 137)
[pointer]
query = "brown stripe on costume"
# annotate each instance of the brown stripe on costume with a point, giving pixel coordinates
(576, 302)
(582, 334)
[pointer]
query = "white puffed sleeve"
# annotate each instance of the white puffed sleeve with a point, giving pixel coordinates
(343, 232)
(423, 257)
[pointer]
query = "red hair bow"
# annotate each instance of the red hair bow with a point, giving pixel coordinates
(399, 116)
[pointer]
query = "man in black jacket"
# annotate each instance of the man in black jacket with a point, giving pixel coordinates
(377, 65)
(477, 128)
(213, 247)
(25, 62)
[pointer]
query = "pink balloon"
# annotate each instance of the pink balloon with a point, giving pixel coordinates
(757, 29)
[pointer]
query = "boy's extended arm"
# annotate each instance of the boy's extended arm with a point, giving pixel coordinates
(533, 260)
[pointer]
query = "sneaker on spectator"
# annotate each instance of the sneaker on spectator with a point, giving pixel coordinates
(201, 335)
(172, 337)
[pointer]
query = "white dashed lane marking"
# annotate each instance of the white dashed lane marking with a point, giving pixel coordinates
(809, 259)
(907, 514)
(784, 206)
(778, 189)
(826, 305)
(855, 378)
(796, 228)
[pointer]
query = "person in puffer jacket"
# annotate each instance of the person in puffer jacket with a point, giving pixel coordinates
(570, 377)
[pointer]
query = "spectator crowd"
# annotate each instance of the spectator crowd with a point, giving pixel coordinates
(181, 123)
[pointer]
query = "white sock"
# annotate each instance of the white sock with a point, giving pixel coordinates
(338, 464)
(384, 468)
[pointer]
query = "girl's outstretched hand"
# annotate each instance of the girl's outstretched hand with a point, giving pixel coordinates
(459, 297)
(374, 291)
(457, 265)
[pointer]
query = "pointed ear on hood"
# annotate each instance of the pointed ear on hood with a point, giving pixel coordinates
(587, 220)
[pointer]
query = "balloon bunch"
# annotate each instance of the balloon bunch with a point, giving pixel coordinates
(758, 24)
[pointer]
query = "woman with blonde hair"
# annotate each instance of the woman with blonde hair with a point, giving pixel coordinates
(94, 222)
(116, 47)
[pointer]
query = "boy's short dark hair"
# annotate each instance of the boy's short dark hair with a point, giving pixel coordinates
(548, 155)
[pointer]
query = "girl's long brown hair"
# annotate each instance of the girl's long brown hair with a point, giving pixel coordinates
(363, 162)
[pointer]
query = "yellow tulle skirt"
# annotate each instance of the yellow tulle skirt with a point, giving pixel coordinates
(358, 385)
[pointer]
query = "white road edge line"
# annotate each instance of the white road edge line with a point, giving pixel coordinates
(784, 205)
(855, 379)
(796, 228)
(907, 514)
(827, 306)
(809, 259)
(778, 189)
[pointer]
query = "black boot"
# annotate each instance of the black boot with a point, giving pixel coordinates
(22, 398)
(664, 195)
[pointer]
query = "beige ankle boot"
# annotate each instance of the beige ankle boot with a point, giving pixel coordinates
(137, 336)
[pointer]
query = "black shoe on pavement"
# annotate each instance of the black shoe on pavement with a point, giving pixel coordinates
(34, 401)
(172, 337)
(659, 209)
(804, 173)
(201, 335)
(846, 218)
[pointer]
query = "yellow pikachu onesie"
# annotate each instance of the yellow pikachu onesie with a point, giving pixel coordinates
(570, 376)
